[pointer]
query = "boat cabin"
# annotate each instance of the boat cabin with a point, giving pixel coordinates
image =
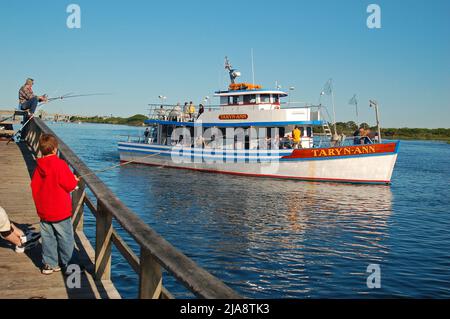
(251, 95)
(244, 107)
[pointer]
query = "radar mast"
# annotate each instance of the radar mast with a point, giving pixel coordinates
(234, 74)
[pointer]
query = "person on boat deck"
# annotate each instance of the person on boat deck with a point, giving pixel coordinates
(365, 136)
(147, 135)
(27, 100)
(369, 136)
(201, 110)
(191, 110)
(175, 113)
(296, 137)
(186, 108)
(357, 136)
(162, 113)
(200, 142)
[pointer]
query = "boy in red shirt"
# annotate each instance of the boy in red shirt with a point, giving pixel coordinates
(52, 183)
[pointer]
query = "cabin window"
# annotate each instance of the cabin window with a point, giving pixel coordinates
(302, 129)
(250, 99)
(276, 98)
(224, 100)
(265, 98)
(234, 99)
(309, 131)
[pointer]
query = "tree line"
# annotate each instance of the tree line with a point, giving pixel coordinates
(348, 128)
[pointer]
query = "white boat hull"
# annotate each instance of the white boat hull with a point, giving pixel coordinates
(376, 167)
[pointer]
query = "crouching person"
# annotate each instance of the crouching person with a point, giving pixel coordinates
(52, 183)
(14, 235)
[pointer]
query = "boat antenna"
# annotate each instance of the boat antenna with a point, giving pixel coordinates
(329, 90)
(253, 68)
(234, 74)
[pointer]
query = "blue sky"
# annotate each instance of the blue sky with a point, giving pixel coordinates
(137, 50)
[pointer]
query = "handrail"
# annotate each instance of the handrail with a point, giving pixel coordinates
(156, 252)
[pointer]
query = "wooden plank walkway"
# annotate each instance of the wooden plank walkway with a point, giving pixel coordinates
(20, 276)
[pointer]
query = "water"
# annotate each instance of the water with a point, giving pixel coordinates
(288, 239)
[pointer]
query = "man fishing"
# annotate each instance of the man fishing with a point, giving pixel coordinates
(27, 100)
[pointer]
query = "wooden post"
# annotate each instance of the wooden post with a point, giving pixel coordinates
(103, 243)
(150, 277)
(78, 206)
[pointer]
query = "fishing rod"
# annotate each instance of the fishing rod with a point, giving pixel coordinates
(52, 99)
(49, 100)
(6, 119)
(117, 165)
(71, 95)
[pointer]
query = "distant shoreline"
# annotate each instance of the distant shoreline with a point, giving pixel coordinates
(135, 120)
(420, 134)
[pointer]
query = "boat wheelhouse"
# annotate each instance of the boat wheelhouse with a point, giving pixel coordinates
(250, 132)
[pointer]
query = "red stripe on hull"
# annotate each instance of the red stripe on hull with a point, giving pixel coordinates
(333, 152)
(310, 179)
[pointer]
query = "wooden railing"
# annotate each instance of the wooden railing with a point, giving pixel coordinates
(155, 252)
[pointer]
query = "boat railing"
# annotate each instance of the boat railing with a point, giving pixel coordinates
(133, 138)
(177, 113)
(111, 217)
(323, 141)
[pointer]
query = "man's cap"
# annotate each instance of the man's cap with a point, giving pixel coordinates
(29, 80)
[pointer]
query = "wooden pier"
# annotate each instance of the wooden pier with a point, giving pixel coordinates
(20, 273)
(20, 276)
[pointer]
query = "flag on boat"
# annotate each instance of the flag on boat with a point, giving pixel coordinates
(353, 100)
(328, 88)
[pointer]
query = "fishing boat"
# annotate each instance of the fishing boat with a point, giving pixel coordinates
(249, 133)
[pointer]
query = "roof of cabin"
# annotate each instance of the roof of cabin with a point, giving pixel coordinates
(234, 124)
(250, 92)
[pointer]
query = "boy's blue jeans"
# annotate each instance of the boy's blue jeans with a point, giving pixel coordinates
(57, 241)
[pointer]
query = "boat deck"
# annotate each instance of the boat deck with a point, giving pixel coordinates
(20, 276)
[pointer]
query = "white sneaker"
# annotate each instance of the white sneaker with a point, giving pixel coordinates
(20, 249)
(47, 270)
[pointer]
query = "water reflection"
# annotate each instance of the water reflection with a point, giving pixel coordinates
(263, 235)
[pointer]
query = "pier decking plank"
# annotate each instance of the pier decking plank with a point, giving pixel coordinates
(20, 276)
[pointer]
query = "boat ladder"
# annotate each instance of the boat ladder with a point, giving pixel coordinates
(327, 130)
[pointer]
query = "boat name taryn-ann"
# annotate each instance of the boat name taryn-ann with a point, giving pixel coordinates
(344, 151)
(225, 117)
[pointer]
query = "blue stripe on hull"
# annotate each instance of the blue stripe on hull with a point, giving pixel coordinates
(239, 158)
